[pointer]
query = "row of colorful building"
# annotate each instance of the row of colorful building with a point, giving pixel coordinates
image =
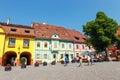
(39, 41)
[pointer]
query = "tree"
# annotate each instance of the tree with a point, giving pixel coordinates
(101, 32)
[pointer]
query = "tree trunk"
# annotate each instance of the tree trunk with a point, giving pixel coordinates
(107, 57)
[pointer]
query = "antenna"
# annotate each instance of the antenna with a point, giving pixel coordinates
(8, 21)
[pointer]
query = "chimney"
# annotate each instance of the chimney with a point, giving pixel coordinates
(8, 21)
(44, 23)
(31, 24)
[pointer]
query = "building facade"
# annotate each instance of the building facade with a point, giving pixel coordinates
(39, 42)
(2, 39)
(79, 44)
(18, 42)
(113, 51)
(52, 43)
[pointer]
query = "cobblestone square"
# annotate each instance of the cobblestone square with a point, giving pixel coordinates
(97, 71)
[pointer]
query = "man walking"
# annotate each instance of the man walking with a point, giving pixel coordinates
(66, 60)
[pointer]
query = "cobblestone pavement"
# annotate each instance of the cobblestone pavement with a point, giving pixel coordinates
(97, 71)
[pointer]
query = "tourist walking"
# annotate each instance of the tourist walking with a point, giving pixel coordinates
(80, 61)
(13, 61)
(66, 60)
(88, 59)
(91, 59)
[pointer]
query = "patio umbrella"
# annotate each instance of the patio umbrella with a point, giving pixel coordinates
(85, 53)
(94, 52)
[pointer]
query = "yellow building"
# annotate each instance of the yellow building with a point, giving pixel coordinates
(2, 38)
(18, 42)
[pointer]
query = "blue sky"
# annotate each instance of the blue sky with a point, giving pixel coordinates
(71, 14)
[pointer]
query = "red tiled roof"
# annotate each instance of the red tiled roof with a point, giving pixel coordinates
(46, 31)
(21, 30)
(76, 36)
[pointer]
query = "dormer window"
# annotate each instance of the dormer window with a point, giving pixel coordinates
(77, 38)
(13, 30)
(55, 36)
(27, 31)
(42, 34)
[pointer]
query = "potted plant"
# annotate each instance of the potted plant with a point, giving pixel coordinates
(53, 62)
(22, 61)
(8, 67)
(36, 64)
(73, 60)
(44, 63)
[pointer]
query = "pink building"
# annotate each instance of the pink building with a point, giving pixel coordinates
(79, 44)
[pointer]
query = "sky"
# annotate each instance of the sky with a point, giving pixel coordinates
(71, 14)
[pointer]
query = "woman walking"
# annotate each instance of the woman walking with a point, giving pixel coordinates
(80, 60)
(88, 59)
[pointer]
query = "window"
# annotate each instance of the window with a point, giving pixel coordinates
(63, 46)
(12, 42)
(27, 31)
(37, 56)
(70, 46)
(61, 56)
(42, 34)
(77, 46)
(55, 36)
(72, 56)
(55, 44)
(38, 44)
(77, 38)
(77, 54)
(26, 42)
(45, 56)
(45, 45)
(54, 55)
(83, 47)
(13, 30)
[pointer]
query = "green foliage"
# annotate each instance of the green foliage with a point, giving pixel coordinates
(22, 60)
(101, 32)
(8, 65)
